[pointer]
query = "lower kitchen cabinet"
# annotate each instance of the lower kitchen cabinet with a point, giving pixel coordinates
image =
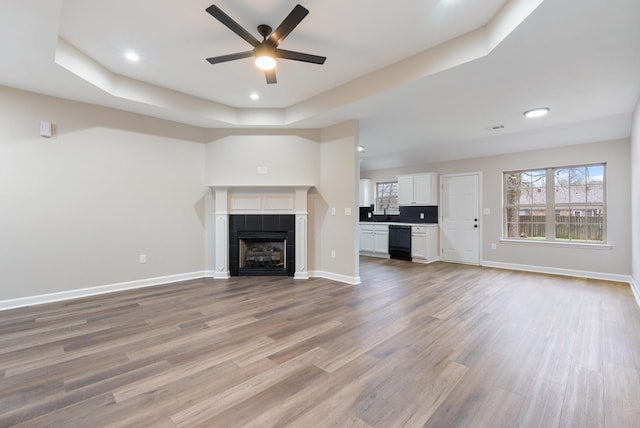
(374, 239)
(424, 244)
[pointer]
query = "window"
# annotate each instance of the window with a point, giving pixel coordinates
(555, 204)
(387, 196)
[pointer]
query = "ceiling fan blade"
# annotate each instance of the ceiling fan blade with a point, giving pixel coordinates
(288, 24)
(299, 56)
(230, 57)
(218, 14)
(271, 76)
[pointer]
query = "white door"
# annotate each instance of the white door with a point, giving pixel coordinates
(460, 219)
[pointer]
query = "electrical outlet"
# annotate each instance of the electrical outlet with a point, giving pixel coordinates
(369, 215)
(421, 216)
(142, 258)
(333, 254)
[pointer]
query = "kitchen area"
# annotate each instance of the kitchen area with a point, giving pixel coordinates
(399, 220)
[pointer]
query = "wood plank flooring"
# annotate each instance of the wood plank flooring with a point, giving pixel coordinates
(439, 345)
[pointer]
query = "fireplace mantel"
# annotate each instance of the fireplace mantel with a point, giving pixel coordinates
(260, 199)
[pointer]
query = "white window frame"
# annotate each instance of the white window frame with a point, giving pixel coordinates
(552, 209)
(378, 207)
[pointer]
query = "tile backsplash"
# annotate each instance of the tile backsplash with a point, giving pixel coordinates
(408, 214)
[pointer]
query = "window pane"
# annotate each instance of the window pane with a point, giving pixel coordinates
(595, 183)
(561, 186)
(524, 200)
(387, 196)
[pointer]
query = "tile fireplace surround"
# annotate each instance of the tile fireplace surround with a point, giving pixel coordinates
(262, 202)
(259, 224)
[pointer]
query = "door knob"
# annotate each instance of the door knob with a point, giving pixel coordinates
(475, 225)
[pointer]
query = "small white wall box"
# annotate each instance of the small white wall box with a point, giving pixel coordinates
(45, 129)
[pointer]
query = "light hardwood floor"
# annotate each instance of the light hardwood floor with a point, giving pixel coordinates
(440, 345)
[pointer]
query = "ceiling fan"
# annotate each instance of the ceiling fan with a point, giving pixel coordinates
(265, 51)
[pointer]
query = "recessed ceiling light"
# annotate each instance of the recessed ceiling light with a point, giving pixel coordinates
(536, 112)
(131, 56)
(254, 96)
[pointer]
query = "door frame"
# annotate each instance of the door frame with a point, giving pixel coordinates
(480, 211)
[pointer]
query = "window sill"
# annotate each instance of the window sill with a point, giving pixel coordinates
(588, 246)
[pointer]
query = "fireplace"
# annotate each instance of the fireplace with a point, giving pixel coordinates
(261, 244)
(262, 253)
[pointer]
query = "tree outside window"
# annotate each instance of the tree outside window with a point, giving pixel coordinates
(387, 196)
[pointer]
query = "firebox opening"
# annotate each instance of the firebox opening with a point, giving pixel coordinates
(262, 253)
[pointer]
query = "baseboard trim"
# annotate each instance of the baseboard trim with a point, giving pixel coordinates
(101, 289)
(635, 290)
(220, 275)
(559, 271)
(352, 280)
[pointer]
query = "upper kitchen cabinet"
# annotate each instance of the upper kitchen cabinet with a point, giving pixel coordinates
(366, 192)
(418, 189)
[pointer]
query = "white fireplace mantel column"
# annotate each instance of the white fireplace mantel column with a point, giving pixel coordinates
(221, 263)
(300, 206)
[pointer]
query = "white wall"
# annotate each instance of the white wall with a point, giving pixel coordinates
(78, 209)
(635, 199)
(291, 157)
(338, 190)
(616, 261)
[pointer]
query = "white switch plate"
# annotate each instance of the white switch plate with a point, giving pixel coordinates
(333, 254)
(487, 211)
(45, 129)
(347, 211)
(333, 210)
(143, 258)
(421, 216)
(493, 246)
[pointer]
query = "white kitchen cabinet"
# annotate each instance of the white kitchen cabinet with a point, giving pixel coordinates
(366, 193)
(367, 241)
(374, 239)
(424, 244)
(418, 189)
(405, 189)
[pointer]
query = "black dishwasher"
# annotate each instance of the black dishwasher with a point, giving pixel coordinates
(400, 242)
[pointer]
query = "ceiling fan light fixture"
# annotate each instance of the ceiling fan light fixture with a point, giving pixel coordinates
(265, 62)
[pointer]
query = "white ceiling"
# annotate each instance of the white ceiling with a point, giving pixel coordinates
(425, 79)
